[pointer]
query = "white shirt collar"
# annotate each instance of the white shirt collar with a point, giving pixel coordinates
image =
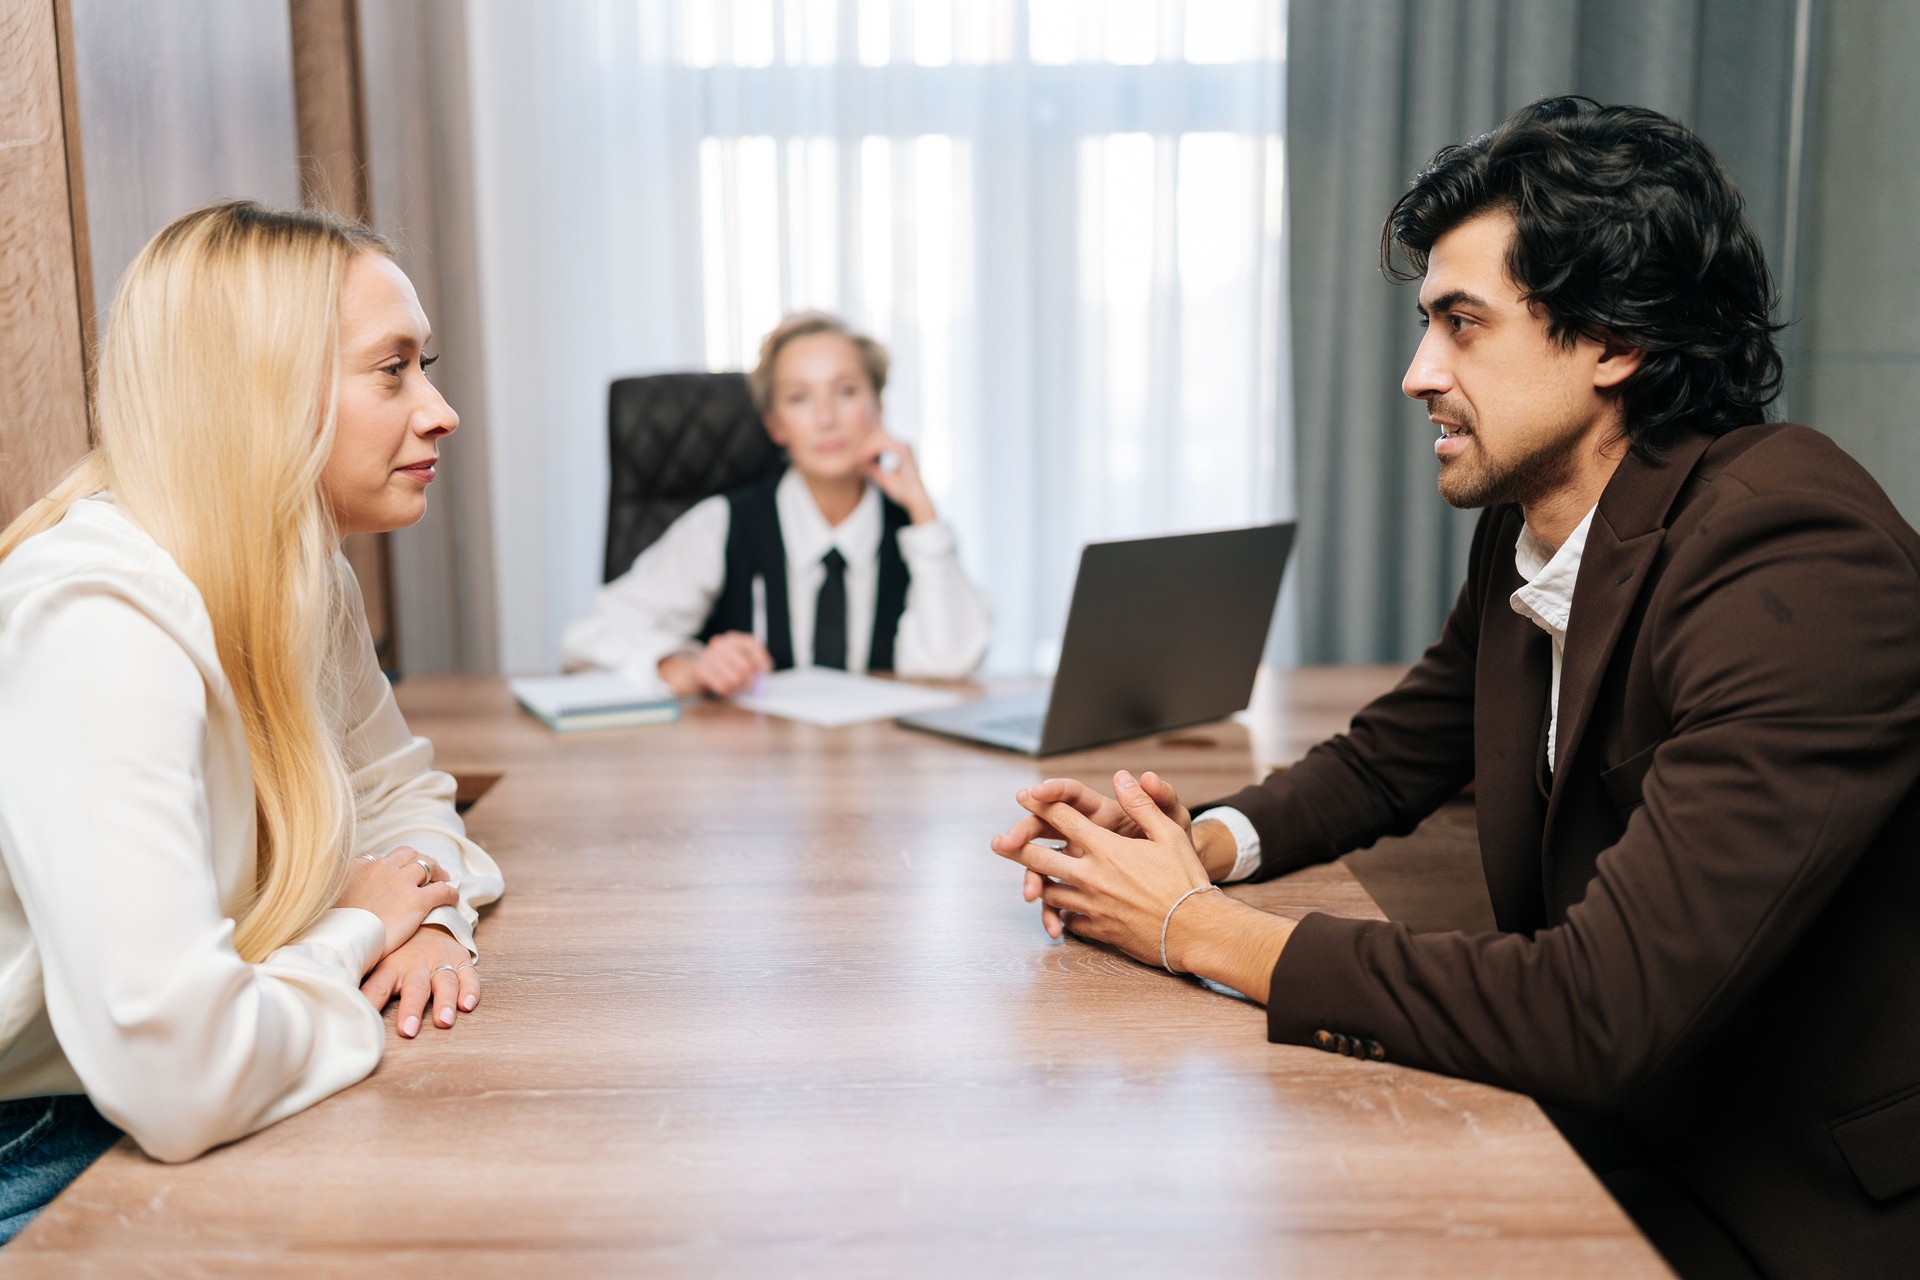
(807, 533)
(1547, 594)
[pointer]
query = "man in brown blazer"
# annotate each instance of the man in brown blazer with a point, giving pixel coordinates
(1684, 677)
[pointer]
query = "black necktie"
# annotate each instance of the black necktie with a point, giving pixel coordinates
(830, 614)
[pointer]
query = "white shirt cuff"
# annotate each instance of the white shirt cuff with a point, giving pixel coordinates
(354, 934)
(643, 672)
(928, 541)
(1246, 841)
(442, 848)
(450, 919)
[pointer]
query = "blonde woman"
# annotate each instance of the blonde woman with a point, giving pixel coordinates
(223, 850)
(841, 561)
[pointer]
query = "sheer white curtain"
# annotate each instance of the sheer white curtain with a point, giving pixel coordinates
(1062, 216)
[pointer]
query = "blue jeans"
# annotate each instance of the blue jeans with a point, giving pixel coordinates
(45, 1143)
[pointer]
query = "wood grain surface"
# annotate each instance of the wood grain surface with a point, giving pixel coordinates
(760, 1001)
(43, 384)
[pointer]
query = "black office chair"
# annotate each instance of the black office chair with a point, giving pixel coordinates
(673, 439)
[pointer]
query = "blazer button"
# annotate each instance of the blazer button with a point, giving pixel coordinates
(1345, 1043)
(1376, 1051)
(1324, 1040)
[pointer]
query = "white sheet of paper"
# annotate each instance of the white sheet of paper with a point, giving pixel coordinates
(821, 695)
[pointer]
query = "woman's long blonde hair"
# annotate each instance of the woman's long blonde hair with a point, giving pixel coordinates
(214, 416)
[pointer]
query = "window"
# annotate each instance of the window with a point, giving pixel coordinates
(1062, 216)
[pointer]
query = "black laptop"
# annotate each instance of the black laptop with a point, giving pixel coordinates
(1163, 632)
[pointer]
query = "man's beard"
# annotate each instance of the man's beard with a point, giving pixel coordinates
(1475, 480)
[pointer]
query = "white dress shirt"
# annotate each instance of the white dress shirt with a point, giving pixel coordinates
(1545, 597)
(127, 833)
(657, 607)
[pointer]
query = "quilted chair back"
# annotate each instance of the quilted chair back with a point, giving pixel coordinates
(675, 438)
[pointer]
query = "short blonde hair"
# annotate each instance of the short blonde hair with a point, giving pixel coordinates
(803, 324)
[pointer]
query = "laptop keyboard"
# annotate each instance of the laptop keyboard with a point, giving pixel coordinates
(1026, 725)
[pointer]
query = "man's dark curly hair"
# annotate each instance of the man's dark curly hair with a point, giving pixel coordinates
(1627, 231)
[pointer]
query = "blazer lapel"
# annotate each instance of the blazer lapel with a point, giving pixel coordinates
(1514, 668)
(1626, 534)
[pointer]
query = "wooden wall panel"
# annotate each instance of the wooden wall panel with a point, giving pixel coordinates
(327, 106)
(331, 122)
(77, 188)
(43, 409)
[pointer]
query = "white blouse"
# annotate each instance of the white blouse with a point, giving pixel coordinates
(127, 832)
(657, 607)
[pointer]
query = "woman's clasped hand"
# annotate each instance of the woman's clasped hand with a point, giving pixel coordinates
(421, 963)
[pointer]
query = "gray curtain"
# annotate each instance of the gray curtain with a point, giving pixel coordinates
(1374, 88)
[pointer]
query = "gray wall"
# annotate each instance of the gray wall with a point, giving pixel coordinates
(180, 104)
(1857, 341)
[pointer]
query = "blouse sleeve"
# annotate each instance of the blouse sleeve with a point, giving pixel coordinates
(656, 608)
(399, 797)
(106, 833)
(944, 630)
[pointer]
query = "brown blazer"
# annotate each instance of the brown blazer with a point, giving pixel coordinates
(1709, 910)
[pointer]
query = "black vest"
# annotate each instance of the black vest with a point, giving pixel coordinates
(755, 549)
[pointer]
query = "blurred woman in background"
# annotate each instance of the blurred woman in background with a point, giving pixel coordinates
(840, 561)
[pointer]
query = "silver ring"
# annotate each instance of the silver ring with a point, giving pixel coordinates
(450, 968)
(367, 857)
(426, 867)
(468, 965)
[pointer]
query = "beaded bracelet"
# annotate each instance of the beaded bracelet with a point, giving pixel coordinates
(1169, 920)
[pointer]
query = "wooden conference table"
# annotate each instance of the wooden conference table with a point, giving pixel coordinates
(759, 1000)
